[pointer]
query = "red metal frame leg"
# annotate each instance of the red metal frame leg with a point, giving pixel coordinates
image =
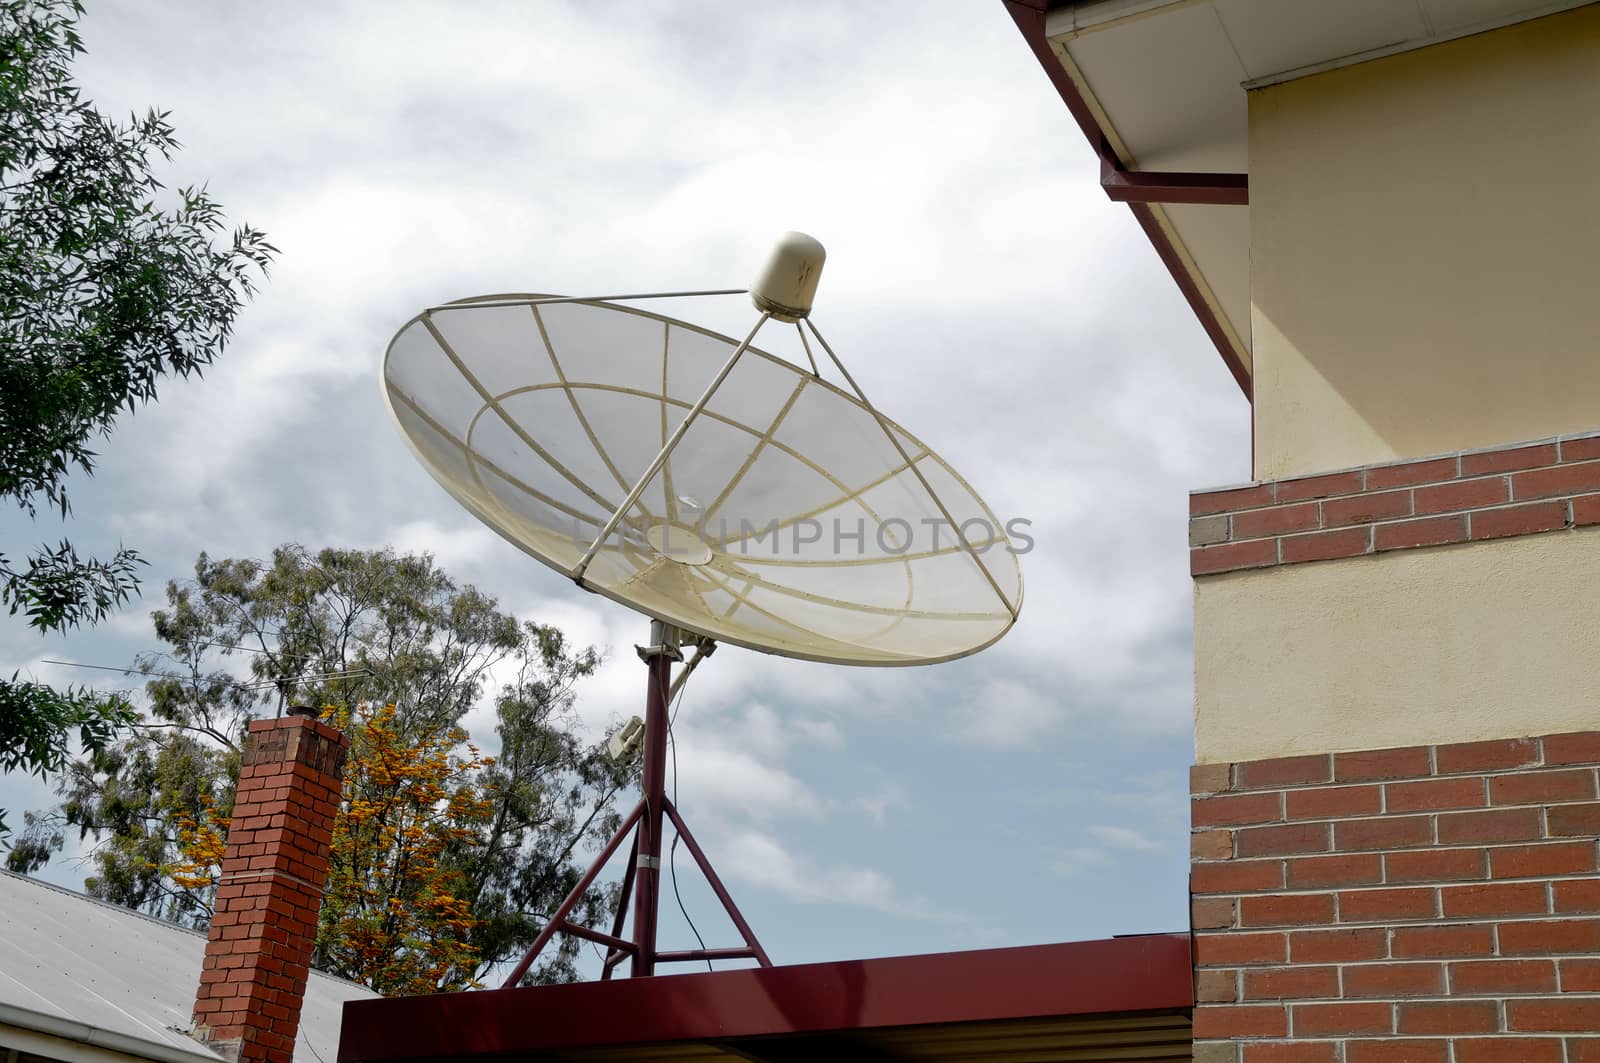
(558, 919)
(616, 956)
(716, 885)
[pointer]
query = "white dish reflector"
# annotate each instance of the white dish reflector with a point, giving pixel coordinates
(784, 520)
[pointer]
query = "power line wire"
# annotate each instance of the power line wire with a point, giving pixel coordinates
(346, 674)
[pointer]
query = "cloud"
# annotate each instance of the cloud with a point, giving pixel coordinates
(817, 731)
(876, 806)
(1007, 713)
(455, 546)
(770, 731)
(762, 860)
(1079, 860)
(1124, 838)
(735, 782)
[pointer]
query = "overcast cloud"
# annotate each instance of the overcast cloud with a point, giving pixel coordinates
(978, 283)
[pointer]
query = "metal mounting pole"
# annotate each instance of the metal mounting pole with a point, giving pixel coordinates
(658, 658)
(641, 881)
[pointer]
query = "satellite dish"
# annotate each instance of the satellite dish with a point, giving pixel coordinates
(730, 494)
(776, 510)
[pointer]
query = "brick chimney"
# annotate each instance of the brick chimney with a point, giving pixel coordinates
(259, 951)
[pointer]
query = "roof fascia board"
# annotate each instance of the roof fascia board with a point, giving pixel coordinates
(79, 1042)
(1147, 974)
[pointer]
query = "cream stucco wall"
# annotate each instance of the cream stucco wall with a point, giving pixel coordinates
(1449, 644)
(1425, 250)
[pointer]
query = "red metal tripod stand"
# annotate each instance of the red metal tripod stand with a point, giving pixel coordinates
(641, 882)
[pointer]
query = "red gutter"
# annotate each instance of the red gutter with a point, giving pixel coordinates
(1140, 190)
(1119, 975)
(1152, 186)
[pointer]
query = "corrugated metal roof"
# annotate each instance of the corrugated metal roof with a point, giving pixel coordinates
(85, 970)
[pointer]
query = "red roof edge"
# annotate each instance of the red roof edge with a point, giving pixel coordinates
(1118, 975)
(1029, 15)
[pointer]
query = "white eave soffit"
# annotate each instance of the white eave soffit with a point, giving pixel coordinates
(1280, 40)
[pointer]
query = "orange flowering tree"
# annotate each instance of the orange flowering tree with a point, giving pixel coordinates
(396, 914)
(202, 839)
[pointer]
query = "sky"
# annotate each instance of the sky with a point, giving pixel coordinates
(979, 285)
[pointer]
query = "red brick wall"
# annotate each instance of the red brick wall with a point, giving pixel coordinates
(1474, 495)
(258, 952)
(1437, 904)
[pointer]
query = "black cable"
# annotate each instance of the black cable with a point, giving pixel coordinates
(672, 853)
